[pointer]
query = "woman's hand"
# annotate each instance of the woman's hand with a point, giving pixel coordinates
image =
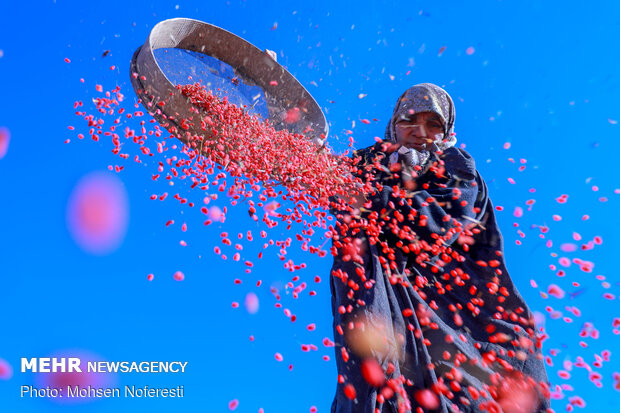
(272, 54)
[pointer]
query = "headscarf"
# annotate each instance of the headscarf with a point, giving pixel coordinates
(425, 97)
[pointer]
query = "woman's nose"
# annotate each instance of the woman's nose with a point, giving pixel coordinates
(419, 131)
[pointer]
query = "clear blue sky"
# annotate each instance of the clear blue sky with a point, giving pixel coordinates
(543, 76)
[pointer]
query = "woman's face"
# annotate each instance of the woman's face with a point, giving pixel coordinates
(419, 131)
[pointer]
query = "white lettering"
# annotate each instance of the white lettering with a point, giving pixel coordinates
(44, 365)
(113, 366)
(183, 366)
(74, 365)
(31, 391)
(29, 365)
(58, 364)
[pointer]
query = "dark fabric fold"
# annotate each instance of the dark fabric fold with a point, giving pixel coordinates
(439, 286)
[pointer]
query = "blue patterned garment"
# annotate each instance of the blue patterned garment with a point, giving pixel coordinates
(419, 284)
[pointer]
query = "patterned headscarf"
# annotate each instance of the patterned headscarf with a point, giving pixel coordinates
(425, 97)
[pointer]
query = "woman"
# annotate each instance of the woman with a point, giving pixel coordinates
(426, 317)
